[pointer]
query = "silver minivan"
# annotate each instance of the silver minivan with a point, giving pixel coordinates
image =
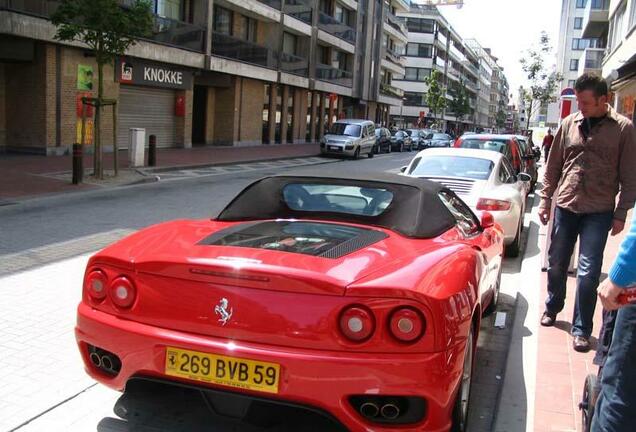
(349, 138)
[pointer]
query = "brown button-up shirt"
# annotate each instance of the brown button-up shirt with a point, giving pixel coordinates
(587, 174)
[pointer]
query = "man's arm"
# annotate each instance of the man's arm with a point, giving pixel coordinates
(626, 172)
(552, 175)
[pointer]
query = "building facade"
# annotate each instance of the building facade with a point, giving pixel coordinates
(434, 45)
(213, 72)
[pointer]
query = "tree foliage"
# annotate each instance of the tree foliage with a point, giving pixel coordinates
(435, 95)
(500, 118)
(460, 104)
(543, 82)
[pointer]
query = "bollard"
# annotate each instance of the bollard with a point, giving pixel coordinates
(78, 163)
(152, 150)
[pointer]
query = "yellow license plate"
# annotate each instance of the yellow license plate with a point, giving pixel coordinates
(223, 370)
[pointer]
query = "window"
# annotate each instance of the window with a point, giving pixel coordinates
(600, 4)
(322, 55)
(222, 20)
(335, 198)
(289, 43)
(172, 9)
(416, 74)
(414, 99)
(247, 28)
(579, 44)
(594, 43)
(452, 166)
(617, 28)
(578, 23)
(308, 135)
(342, 14)
(574, 65)
(420, 25)
(571, 83)
(352, 130)
(580, 4)
(419, 50)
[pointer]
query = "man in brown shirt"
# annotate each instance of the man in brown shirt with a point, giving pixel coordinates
(593, 156)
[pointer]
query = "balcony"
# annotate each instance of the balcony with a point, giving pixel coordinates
(334, 75)
(591, 60)
(248, 52)
(165, 31)
(395, 57)
(456, 53)
(272, 3)
(443, 40)
(336, 28)
(396, 23)
(294, 64)
(299, 9)
(440, 62)
(596, 18)
(389, 90)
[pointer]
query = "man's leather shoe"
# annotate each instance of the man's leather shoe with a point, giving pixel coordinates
(548, 319)
(581, 344)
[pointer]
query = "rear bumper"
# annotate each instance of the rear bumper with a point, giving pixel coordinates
(324, 380)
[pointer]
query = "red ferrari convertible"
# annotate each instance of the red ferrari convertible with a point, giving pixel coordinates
(358, 300)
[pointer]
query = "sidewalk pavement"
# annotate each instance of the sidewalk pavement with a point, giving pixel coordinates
(544, 377)
(34, 175)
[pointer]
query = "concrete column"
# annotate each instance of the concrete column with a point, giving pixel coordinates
(313, 115)
(321, 115)
(272, 113)
(210, 117)
(340, 106)
(184, 124)
(332, 107)
(300, 115)
(283, 115)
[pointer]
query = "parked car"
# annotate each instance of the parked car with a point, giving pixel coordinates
(418, 136)
(349, 138)
(400, 141)
(529, 159)
(484, 180)
(305, 292)
(504, 144)
(438, 140)
(382, 140)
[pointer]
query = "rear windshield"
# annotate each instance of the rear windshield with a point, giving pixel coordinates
(440, 136)
(482, 144)
(345, 129)
(336, 198)
(310, 238)
(452, 166)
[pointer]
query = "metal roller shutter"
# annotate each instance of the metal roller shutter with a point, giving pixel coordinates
(148, 108)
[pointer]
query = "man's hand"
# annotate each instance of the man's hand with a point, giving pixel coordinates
(608, 293)
(544, 215)
(617, 226)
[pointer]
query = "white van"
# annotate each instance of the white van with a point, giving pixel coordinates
(349, 138)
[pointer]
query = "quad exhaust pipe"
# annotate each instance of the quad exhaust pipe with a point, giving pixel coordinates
(104, 360)
(390, 411)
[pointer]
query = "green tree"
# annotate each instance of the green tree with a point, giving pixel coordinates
(108, 28)
(460, 104)
(500, 118)
(542, 82)
(435, 95)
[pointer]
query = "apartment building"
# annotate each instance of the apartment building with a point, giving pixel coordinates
(580, 48)
(434, 44)
(213, 72)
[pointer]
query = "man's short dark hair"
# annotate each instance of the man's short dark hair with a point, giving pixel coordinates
(591, 81)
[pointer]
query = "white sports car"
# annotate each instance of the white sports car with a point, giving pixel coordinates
(484, 179)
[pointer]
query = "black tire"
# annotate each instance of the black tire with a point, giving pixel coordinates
(370, 154)
(356, 154)
(401, 148)
(513, 249)
(388, 148)
(588, 404)
(495, 300)
(460, 411)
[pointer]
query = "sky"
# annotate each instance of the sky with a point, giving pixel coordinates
(508, 27)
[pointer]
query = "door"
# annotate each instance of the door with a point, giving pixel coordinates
(199, 113)
(148, 108)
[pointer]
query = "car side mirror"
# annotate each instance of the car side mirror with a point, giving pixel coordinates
(524, 177)
(403, 169)
(487, 220)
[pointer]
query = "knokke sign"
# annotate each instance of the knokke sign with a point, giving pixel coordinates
(139, 72)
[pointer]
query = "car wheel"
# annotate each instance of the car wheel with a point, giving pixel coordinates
(401, 148)
(460, 411)
(356, 154)
(495, 296)
(388, 148)
(588, 404)
(514, 248)
(371, 153)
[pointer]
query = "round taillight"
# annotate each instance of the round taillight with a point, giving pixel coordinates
(96, 283)
(122, 292)
(357, 323)
(406, 324)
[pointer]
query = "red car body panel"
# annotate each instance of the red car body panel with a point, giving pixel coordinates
(515, 150)
(286, 309)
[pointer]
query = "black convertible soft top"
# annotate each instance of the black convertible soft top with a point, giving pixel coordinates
(416, 209)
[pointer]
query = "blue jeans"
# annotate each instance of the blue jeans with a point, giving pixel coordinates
(592, 230)
(616, 405)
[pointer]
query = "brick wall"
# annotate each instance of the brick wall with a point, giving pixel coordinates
(210, 117)
(250, 131)
(225, 115)
(3, 106)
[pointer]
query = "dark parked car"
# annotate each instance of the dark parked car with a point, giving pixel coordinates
(382, 140)
(529, 159)
(418, 136)
(401, 141)
(438, 140)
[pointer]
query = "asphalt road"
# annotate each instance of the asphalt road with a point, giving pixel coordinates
(55, 224)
